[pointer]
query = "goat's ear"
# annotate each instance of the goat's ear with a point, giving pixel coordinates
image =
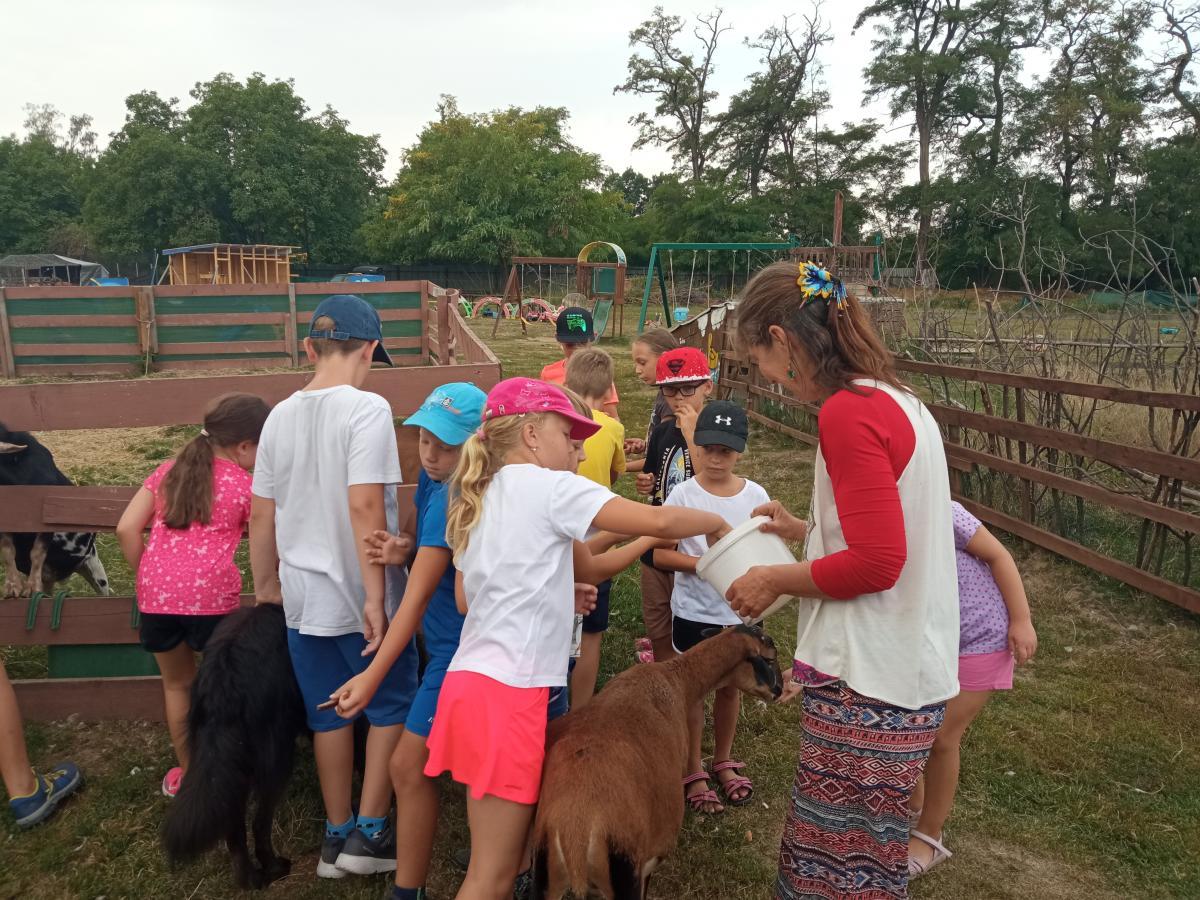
(6, 447)
(762, 671)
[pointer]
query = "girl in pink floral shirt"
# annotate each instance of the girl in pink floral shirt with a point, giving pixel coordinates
(196, 507)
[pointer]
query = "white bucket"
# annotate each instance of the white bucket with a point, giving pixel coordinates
(735, 554)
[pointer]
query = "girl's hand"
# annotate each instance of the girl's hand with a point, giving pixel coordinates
(791, 691)
(1022, 641)
(353, 696)
(645, 483)
(585, 598)
(387, 549)
(634, 446)
(782, 523)
(751, 594)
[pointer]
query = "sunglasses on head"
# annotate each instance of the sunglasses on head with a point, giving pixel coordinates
(681, 390)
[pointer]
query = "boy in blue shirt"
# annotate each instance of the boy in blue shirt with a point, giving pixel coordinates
(447, 418)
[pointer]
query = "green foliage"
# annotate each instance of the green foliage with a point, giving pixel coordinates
(41, 191)
(487, 187)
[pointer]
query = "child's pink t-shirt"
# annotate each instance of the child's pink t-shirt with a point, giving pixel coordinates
(190, 571)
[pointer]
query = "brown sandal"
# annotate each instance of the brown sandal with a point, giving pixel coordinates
(697, 800)
(738, 783)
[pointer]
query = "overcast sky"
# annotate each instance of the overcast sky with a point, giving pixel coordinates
(382, 65)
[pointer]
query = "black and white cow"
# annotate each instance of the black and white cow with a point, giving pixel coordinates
(36, 562)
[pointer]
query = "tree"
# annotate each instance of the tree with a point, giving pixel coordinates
(678, 82)
(764, 123)
(1181, 26)
(922, 62)
(482, 188)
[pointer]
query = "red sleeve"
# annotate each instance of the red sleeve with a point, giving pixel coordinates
(866, 441)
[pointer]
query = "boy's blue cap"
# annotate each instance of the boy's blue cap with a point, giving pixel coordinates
(354, 319)
(451, 413)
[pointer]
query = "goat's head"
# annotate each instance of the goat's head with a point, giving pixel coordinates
(758, 672)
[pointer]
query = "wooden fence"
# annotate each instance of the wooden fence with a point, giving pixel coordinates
(1022, 459)
(89, 621)
(68, 330)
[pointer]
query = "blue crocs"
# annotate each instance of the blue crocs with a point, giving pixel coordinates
(54, 786)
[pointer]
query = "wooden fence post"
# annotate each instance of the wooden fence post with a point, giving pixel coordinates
(9, 369)
(292, 327)
(443, 329)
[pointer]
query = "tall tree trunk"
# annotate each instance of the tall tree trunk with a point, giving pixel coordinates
(925, 205)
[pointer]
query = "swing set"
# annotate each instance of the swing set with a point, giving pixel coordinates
(598, 284)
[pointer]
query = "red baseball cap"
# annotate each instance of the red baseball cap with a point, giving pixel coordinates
(682, 365)
(519, 396)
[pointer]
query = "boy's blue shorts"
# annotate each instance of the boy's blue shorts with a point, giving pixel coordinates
(323, 664)
(424, 704)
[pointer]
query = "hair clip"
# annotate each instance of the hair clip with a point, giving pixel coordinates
(815, 282)
(480, 433)
(204, 432)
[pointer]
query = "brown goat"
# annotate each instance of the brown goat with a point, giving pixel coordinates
(612, 798)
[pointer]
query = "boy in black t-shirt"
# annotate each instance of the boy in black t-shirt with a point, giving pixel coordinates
(683, 376)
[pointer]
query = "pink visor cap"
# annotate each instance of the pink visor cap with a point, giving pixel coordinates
(520, 396)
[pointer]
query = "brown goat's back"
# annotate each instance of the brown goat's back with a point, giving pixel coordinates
(612, 781)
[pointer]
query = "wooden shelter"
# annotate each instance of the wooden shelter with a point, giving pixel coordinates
(229, 264)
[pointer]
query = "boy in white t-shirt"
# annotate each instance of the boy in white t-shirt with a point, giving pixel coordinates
(325, 479)
(697, 610)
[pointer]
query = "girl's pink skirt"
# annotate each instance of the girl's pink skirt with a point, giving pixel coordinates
(489, 736)
(986, 671)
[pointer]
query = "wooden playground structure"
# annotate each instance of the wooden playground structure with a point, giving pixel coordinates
(96, 668)
(229, 264)
(599, 285)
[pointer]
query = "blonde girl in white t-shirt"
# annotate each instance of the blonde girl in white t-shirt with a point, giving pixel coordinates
(513, 523)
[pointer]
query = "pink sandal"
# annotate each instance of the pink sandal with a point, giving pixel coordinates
(940, 855)
(738, 783)
(697, 800)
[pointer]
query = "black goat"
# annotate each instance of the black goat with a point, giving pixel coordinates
(36, 562)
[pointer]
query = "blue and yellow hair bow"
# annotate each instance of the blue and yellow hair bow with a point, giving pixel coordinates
(815, 282)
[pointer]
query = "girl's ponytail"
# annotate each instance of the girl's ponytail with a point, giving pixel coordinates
(482, 456)
(187, 490)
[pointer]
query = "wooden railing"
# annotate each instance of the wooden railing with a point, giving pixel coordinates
(1023, 463)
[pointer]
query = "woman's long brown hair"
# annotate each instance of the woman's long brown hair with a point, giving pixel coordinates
(187, 491)
(842, 343)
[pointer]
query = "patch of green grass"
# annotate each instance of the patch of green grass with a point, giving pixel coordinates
(1084, 781)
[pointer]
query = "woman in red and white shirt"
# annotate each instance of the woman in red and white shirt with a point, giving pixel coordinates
(877, 639)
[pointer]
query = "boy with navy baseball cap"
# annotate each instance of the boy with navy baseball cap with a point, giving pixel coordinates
(324, 482)
(575, 329)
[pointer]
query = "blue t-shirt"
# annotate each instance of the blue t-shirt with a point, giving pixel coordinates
(442, 622)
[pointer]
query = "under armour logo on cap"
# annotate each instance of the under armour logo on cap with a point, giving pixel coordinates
(723, 420)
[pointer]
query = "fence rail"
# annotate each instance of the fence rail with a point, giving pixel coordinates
(1022, 459)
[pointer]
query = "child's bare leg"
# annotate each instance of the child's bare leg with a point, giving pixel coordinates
(941, 772)
(587, 668)
(916, 800)
(14, 761)
(726, 705)
(695, 759)
(416, 810)
(178, 669)
(334, 751)
(498, 832)
(376, 797)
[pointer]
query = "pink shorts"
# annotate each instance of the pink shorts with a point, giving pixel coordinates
(986, 671)
(489, 736)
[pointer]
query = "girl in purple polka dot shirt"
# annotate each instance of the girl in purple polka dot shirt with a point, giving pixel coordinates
(996, 631)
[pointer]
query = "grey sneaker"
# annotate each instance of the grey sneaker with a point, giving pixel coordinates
(327, 865)
(369, 856)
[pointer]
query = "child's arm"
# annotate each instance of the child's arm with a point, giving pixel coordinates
(1022, 639)
(635, 466)
(131, 529)
(674, 561)
(674, 522)
(460, 594)
(427, 570)
(367, 515)
(593, 566)
(264, 555)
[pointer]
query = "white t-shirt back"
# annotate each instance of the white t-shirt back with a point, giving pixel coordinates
(519, 576)
(314, 446)
(693, 598)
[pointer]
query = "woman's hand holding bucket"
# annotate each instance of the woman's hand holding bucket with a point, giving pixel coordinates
(782, 523)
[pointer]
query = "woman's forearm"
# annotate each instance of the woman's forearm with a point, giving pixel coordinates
(795, 579)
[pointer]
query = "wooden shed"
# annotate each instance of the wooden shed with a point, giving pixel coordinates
(229, 264)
